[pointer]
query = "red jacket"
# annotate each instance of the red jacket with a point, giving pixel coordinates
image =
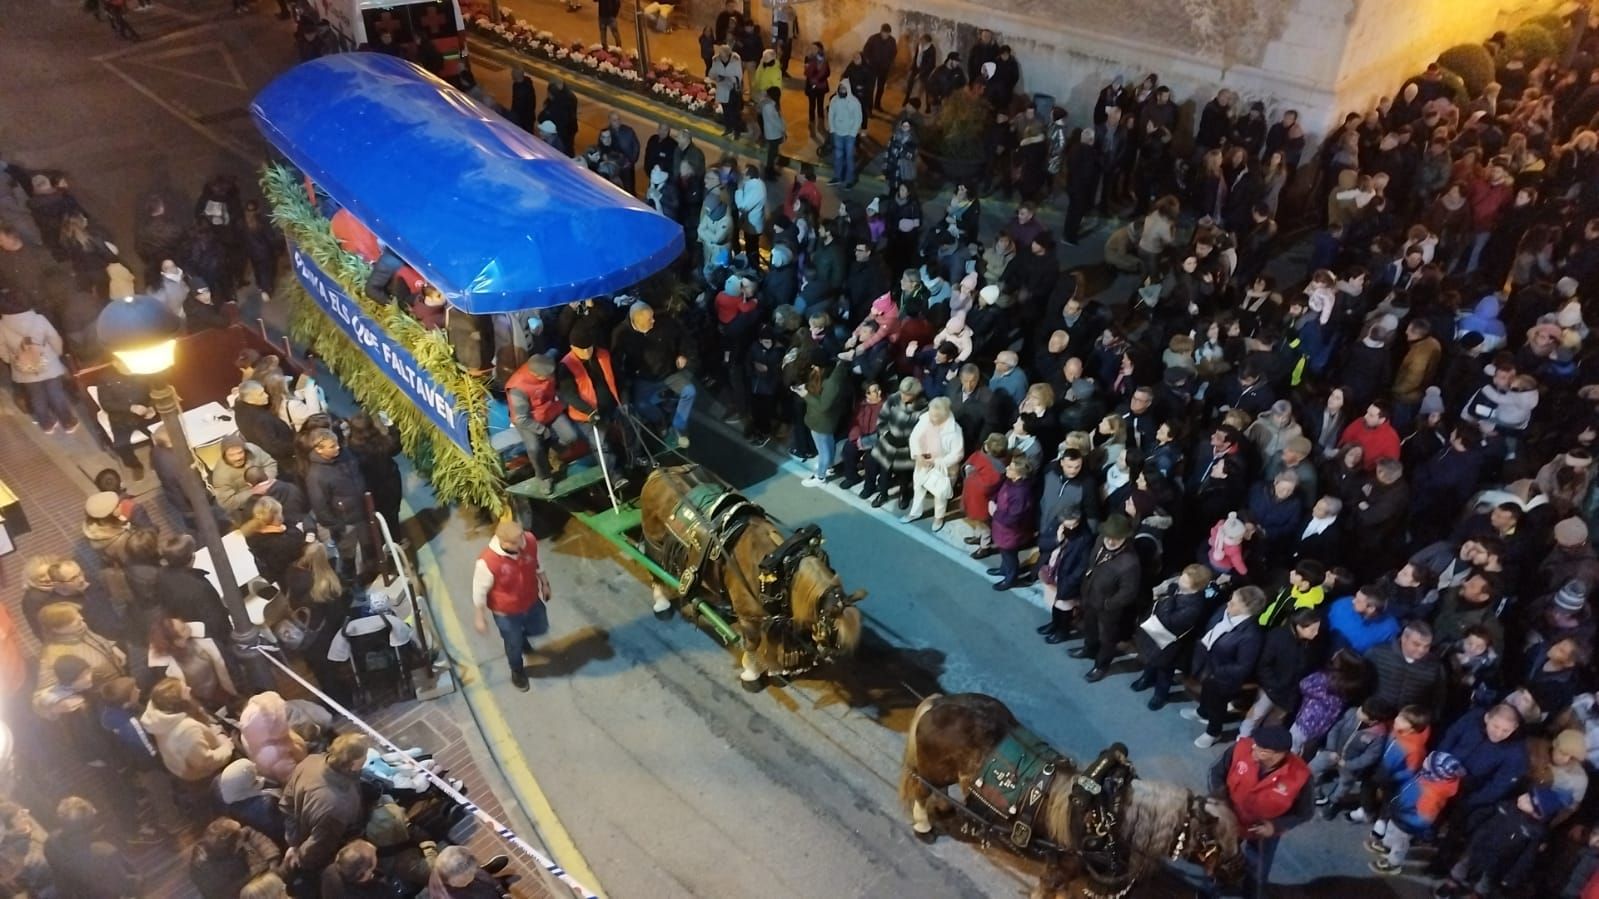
(516, 578)
(981, 484)
(1257, 799)
(730, 307)
(543, 402)
(355, 237)
(817, 71)
(1488, 202)
(1381, 442)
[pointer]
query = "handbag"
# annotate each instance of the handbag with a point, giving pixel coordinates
(294, 631)
(1157, 632)
(938, 483)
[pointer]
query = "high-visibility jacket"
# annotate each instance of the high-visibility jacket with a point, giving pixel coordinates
(585, 384)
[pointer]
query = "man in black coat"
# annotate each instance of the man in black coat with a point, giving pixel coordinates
(126, 402)
(524, 101)
(880, 52)
(985, 50)
(560, 108)
(1109, 591)
(1224, 660)
(259, 426)
(337, 492)
(1407, 673)
(1084, 169)
(867, 280)
(1322, 538)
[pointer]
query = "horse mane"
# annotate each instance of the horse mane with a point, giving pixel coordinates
(812, 579)
(1153, 816)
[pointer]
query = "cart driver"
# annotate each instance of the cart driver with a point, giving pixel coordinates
(586, 383)
(539, 415)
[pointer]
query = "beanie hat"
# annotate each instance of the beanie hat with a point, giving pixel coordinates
(1232, 530)
(989, 294)
(234, 441)
(239, 781)
(1300, 445)
(1572, 596)
(1282, 407)
(1432, 402)
(41, 184)
(1274, 738)
(1567, 286)
(1572, 743)
(101, 505)
(1570, 315)
(1571, 532)
(253, 393)
(547, 127)
(541, 365)
(1442, 766)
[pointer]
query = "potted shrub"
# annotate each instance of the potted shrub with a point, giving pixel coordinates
(952, 142)
(1472, 63)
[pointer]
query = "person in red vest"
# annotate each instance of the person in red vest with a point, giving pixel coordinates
(538, 414)
(1266, 786)
(586, 383)
(507, 582)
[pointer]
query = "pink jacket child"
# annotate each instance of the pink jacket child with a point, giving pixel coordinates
(1227, 545)
(886, 313)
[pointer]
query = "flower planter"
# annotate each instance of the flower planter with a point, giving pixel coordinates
(951, 169)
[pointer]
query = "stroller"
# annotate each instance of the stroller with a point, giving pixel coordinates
(381, 649)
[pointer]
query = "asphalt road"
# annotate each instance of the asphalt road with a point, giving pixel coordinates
(670, 779)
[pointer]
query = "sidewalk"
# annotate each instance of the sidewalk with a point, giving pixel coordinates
(681, 46)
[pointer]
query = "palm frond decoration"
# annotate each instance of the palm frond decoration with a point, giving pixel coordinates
(477, 477)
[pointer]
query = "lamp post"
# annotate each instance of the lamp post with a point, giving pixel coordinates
(142, 334)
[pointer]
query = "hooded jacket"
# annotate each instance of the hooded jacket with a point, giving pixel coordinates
(844, 117)
(335, 488)
(228, 482)
(192, 751)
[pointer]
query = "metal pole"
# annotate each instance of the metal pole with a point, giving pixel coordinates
(165, 399)
(599, 450)
(641, 34)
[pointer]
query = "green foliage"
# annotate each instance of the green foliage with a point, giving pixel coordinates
(1532, 43)
(1457, 87)
(475, 478)
(1472, 63)
(956, 132)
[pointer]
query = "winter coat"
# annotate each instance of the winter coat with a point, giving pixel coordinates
(1060, 494)
(1113, 577)
(336, 489)
(1402, 682)
(1359, 746)
(1179, 613)
(191, 750)
(1421, 800)
(1319, 706)
(825, 411)
(844, 116)
(323, 810)
(1230, 661)
(186, 593)
(715, 229)
(894, 425)
(750, 201)
(223, 876)
(227, 482)
(86, 868)
(29, 328)
(1417, 369)
(260, 427)
(1013, 514)
(1359, 634)
(983, 475)
(1284, 661)
(1493, 770)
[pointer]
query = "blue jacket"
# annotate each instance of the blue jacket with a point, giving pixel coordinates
(1230, 661)
(133, 742)
(1351, 630)
(1493, 770)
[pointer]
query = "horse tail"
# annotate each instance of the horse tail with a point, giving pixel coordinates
(910, 786)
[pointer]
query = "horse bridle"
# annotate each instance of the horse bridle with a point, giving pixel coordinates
(1199, 843)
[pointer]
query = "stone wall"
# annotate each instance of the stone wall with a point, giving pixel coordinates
(1322, 57)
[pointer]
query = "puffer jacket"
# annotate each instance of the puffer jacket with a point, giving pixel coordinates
(894, 425)
(192, 751)
(19, 329)
(1420, 802)
(335, 488)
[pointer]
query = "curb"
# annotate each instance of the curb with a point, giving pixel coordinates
(493, 726)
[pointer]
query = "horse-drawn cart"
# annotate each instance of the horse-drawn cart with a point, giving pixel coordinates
(721, 558)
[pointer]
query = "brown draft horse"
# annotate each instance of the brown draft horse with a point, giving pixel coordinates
(821, 623)
(950, 738)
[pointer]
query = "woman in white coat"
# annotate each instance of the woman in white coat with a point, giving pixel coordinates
(937, 448)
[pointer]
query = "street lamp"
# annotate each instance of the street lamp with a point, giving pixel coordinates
(143, 336)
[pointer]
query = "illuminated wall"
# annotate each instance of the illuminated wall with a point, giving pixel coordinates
(1323, 57)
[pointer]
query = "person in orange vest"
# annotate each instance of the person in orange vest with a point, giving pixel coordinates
(538, 414)
(507, 582)
(1266, 786)
(586, 383)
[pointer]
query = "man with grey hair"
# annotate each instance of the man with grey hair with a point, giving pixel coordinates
(658, 358)
(1008, 380)
(1322, 538)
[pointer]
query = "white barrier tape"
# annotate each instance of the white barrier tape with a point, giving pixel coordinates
(503, 832)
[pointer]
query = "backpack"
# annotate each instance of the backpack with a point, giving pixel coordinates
(31, 358)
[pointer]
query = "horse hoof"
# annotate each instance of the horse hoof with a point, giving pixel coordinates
(663, 614)
(753, 686)
(926, 836)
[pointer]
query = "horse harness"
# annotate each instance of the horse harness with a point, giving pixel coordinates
(707, 520)
(1009, 793)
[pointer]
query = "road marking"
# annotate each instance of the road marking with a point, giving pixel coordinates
(185, 115)
(496, 730)
(163, 62)
(143, 47)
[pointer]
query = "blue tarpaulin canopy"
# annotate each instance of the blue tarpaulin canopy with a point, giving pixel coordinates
(495, 218)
